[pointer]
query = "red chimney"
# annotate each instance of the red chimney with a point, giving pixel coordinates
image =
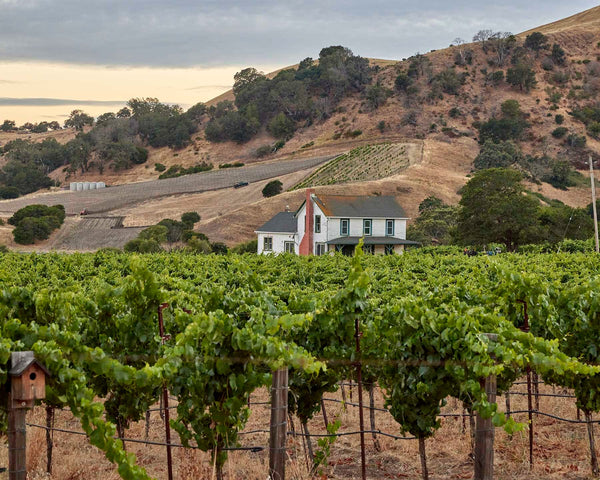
(306, 244)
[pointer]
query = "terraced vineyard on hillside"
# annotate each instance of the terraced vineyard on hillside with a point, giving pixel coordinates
(367, 162)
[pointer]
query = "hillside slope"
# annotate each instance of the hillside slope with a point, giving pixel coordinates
(441, 116)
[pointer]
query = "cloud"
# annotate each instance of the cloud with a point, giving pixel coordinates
(50, 102)
(10, 82)
(226, 32)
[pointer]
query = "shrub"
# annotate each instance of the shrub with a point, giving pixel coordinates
(272, 188)
(353, 133)
(219, 248)
(198, 245)
(247, 247)
(263, 151)
(559, 119)
(381, 126)
(454, 112)
(231, 165)
(594, 129)
(190, 218)
(159, 167)
(9, 192)
(37, 211)
(140, 245)
(155, 232)
(31, 229)
(577, 141)
(495, 78)
(547, 63)
(559, 132)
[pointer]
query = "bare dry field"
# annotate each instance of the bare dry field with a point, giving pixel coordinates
(561, 450)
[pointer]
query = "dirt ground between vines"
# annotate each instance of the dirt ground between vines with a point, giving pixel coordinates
(561, 450)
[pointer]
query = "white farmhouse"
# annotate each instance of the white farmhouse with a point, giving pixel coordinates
(336, 223)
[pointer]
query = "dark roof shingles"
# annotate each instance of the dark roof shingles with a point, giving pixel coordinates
(284, 222)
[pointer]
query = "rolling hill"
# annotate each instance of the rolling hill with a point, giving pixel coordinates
(440, 116)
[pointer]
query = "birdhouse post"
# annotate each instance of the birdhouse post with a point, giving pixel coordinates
(27, 384)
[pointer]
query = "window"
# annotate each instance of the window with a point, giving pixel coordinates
(317, 223)
(389, 228)
(369, 249)
(268, 244)
(367, 226)
(288, 247)
(345, 227)
(320, 249)
(389, 249)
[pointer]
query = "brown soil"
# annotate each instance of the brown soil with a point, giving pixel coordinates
(561, 450)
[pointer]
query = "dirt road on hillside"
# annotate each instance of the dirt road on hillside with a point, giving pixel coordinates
(105, 200)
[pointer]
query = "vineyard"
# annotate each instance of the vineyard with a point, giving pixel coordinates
(368, 162)
(425, 349)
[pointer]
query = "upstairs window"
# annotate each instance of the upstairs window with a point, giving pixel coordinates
(389, 228)
(367, 226)
(268, 244)
(345, 227)
(317, 223)
(289, 247)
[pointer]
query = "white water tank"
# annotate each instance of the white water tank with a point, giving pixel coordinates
(73, 186)
(101, 185)
(86, 185)
(79, 186)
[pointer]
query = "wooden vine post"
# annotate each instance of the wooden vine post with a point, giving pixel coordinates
(27, 384)
(484, 433)
(278, 428)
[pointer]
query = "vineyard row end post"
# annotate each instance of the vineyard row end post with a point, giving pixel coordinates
(278, 427)
(484, 432)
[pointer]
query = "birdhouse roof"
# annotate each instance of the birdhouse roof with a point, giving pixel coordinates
(21, 361)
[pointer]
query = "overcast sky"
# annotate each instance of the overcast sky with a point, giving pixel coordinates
(225, 35)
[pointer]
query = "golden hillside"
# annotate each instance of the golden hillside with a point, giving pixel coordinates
(443, 124)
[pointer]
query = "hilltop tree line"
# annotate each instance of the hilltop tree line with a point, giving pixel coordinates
(116, 141)
(295, 96)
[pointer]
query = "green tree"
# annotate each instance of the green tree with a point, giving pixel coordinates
(281, 126)
(402, 82)
(376, 96)
(522, 76)
(536, 41)
(436, 223)
(495, 209)
(190, 218)
(79, 119)
(272, 188)
(497, 154)
(8, 126)
(558, 54)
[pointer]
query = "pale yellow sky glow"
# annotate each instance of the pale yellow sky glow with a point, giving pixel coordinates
(184, 86)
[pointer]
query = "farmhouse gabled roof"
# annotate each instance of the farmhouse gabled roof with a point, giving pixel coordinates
(360, 206)
(283, 222)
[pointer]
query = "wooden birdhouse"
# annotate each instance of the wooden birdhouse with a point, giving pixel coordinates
(27, 379)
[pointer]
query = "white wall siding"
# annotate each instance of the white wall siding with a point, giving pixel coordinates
(279, 240)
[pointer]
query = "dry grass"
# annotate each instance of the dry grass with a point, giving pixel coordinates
(561, 450)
